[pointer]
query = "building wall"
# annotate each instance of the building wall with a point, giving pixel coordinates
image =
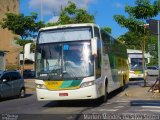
(29, 63)
(2, 61)
(29, 66)
(7, 42)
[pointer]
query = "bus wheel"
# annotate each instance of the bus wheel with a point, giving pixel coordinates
(105, 97)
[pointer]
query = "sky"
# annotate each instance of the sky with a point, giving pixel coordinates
(103, 11)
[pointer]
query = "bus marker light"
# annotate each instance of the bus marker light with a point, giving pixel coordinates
(63, 94)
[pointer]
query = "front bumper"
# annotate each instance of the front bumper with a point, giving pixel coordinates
(89, 92)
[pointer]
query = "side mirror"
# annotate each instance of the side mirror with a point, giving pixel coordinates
(4, 80)
(94, 46)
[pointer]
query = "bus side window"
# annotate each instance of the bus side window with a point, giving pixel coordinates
(98, 57)
(96, 33)
(104, 41)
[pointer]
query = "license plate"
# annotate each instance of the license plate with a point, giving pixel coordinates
(63, 94)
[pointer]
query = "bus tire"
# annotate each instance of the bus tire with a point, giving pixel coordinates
(105, 97)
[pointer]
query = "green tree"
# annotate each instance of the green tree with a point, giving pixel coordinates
(72, 15)
(138, 14)
(153, 41)
(131, 39)
(107, 29)
(23, 26)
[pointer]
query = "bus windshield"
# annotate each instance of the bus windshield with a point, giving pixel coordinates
(136, 64)
(66, 60)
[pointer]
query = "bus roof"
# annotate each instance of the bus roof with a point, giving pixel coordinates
(69, 26)
(130, 51)
(135, 53)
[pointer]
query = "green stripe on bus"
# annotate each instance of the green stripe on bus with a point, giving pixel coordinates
(66, 84)
(76, 83)
(70, 83)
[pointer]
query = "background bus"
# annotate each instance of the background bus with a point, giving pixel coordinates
(78, 61)
(136, 65)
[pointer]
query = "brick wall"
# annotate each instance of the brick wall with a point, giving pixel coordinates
(7, 42)
(2, 61)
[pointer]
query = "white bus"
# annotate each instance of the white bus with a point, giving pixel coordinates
(136, 65)
(78, 61)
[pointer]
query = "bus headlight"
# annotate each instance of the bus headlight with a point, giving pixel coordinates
(40, 86)
(86, 84)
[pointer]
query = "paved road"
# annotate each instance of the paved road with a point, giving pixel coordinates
(118, 106)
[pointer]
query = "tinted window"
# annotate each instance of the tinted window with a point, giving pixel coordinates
(96, 33)
(15, 76)
(6, 76)
(98, 57)
(152, 68)
(18, 75)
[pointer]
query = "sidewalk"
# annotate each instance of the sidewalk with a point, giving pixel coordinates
(140, 92)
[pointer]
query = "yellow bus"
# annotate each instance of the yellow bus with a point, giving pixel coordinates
(77, 62)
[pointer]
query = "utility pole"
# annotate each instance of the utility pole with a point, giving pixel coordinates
(159, 52)
(143, 59)
(155, 30)
(41, 10)
(143, 54)
(85, 5)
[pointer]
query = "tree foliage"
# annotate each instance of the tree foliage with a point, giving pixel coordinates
(133, 24)
(22, 42)
(137, 14)
(144, 9)
(131, 40)
(72, 15)
(107, 29)
(23, 26)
